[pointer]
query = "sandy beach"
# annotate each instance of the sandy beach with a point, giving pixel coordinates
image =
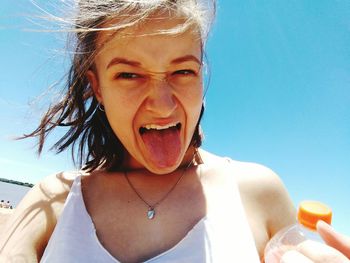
(12, 193)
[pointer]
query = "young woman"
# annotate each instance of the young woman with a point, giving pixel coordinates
(146, 191)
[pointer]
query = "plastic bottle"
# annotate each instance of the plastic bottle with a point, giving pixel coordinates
(288, 238)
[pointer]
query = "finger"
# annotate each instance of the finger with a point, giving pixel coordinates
(293, 256)
(321, 253)
(333, 238)
(275, 254)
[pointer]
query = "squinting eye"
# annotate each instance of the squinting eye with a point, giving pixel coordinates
(184, 72)
(128, 75)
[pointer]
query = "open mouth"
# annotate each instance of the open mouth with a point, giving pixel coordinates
(155, 127)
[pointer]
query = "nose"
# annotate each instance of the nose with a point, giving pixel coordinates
(161, 100)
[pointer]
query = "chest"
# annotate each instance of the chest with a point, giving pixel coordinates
(126, 232)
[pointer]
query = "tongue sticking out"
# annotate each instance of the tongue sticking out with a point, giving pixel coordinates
(164, 146)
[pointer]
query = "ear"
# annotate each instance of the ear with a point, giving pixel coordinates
(93, 79)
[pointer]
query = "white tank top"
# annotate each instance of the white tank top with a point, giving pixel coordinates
(221, 236)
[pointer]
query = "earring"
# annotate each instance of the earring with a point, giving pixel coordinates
(101, 107)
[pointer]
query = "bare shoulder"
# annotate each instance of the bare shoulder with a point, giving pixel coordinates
(263, 194)
(29, 228)
(257, 180)
(263, 191)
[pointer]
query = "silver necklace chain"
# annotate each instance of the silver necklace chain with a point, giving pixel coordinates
(151, 208)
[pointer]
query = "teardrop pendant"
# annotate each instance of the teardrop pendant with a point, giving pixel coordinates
(151, 213)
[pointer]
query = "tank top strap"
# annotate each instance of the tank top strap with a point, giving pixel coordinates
(228, 221)
(74, 233)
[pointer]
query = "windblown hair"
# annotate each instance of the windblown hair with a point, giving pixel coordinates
(89, 131)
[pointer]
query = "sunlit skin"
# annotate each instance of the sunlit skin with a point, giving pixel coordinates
(143, 78)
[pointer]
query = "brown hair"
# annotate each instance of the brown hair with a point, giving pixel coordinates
(89, 131)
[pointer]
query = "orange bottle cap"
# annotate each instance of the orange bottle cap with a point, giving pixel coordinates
(311, 211)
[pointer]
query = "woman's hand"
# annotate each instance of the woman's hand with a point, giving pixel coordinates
(337, 249)
(333, 238)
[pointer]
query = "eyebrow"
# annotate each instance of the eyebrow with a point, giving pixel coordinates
(185, 59)
(118, 60)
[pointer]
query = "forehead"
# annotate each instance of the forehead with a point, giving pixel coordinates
(151, 39)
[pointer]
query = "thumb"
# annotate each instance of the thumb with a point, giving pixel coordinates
(333, 238)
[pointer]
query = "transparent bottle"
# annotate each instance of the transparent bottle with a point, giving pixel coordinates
(309, 212)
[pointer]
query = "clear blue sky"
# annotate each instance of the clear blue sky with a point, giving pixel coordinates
(279, 93)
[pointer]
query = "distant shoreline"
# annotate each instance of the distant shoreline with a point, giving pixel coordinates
(16, 182)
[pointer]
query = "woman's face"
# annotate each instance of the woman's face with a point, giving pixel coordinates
(151, 88)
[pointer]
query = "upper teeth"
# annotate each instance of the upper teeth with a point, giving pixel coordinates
(159, 127)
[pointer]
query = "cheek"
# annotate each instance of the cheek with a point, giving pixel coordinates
(194, 97)
(120, 111)
(193, 101)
